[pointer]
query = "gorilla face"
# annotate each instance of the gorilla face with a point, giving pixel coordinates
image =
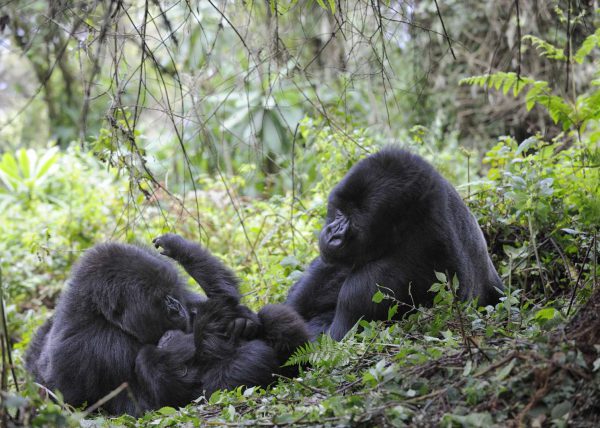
(336, 237)
(364, 213)
(147, 321)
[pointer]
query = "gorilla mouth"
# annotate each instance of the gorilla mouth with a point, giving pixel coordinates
(336, 241)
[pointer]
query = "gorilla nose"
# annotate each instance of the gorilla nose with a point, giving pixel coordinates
(335, 233)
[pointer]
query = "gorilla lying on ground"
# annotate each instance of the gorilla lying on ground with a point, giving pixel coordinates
(128, 317)
(392, 222)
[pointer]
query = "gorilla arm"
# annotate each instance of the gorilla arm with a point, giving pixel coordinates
(355, 299)
(217, 281)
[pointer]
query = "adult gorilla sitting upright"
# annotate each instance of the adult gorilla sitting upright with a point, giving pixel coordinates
(392, 222)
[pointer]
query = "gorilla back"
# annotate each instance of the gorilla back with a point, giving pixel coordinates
(392, 222)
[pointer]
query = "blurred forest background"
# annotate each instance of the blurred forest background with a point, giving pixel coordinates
(230, 121)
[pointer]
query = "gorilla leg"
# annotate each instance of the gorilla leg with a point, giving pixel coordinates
(283, 329)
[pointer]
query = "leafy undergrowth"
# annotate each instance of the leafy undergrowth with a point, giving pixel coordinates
(507, 367)
(449, 366)
(528, 361)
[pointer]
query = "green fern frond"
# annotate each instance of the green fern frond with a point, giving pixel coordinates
(324, 352)
(539, 93)
(500, 80)
(547, 49)
(586, 47)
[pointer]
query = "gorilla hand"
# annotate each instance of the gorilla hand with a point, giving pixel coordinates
(172, 245)
(243, 328)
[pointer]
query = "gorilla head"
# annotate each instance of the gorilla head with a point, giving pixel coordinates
(124, 293)
(377, 200)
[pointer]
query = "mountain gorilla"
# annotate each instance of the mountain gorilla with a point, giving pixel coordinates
(392, 222)
(127, 316)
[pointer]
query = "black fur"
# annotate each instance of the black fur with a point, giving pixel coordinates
(392, 222)
(127, 316)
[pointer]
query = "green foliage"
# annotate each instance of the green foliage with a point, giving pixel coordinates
(455, 364)
(539, 92)
(61, 204)
(323, 352)
(541, 189)
(24, 174)
(330, 3)
(590, 42)
(570, 114)
(546, 49)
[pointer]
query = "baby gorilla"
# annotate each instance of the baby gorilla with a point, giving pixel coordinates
(127, 316)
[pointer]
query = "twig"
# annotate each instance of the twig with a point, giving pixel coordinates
(302, 384)
(293, 186)
(593, 244)
(518, 41)
(5, 338)
(509, 357)
(433, 394)
(105, 399)
(444, 28)
(537, 257)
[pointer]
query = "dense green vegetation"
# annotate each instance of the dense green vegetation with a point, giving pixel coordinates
(237, 147)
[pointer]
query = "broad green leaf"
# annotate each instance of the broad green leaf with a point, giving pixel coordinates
(502, 374)
(332, 5)
(378, 297)
(322, 4)
(27, 160)
(7, 181)
(586, 47)
(9, 166)
(441, 277)
(546, 314)
(392, 310)
(46, 161)
(167, 411)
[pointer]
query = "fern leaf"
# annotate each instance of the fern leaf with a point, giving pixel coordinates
(325, 352)
(586, 47)
(500, 80)
(539, 89)
(559, 110)
(547, 49)
(303, 354)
